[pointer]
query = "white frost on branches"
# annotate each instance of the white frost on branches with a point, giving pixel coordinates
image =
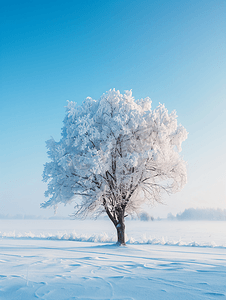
(115, 152)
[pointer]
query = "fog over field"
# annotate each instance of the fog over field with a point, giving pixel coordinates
(202, 214)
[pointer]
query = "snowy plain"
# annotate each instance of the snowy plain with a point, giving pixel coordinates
(71, 259)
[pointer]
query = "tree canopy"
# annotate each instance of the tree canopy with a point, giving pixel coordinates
(115, 154)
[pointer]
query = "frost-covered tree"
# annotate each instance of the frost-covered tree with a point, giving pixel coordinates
(114, 155)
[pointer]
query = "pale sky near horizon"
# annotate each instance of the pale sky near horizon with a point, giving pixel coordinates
(170, 51)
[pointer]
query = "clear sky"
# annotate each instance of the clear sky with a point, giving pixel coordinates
(53, 51)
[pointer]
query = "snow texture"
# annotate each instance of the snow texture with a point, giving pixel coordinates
(34, 268)
(200, 234)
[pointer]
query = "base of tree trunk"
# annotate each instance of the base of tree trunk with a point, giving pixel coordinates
(120, 244)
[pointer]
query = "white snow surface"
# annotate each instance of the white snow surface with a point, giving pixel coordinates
(63, 259)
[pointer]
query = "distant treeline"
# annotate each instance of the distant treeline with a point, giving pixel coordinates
(209, 214)
(144, 216)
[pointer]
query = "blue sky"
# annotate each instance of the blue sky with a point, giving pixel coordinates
(171, 51)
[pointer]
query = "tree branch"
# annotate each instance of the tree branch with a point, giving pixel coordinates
(114, 221)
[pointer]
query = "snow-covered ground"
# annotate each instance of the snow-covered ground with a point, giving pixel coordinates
(78, 260)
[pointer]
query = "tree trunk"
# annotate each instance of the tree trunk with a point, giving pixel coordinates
(119, 222)
(120, 227)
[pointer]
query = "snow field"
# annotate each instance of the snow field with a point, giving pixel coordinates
(34, 269)
(176, 233)
(52, 269)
